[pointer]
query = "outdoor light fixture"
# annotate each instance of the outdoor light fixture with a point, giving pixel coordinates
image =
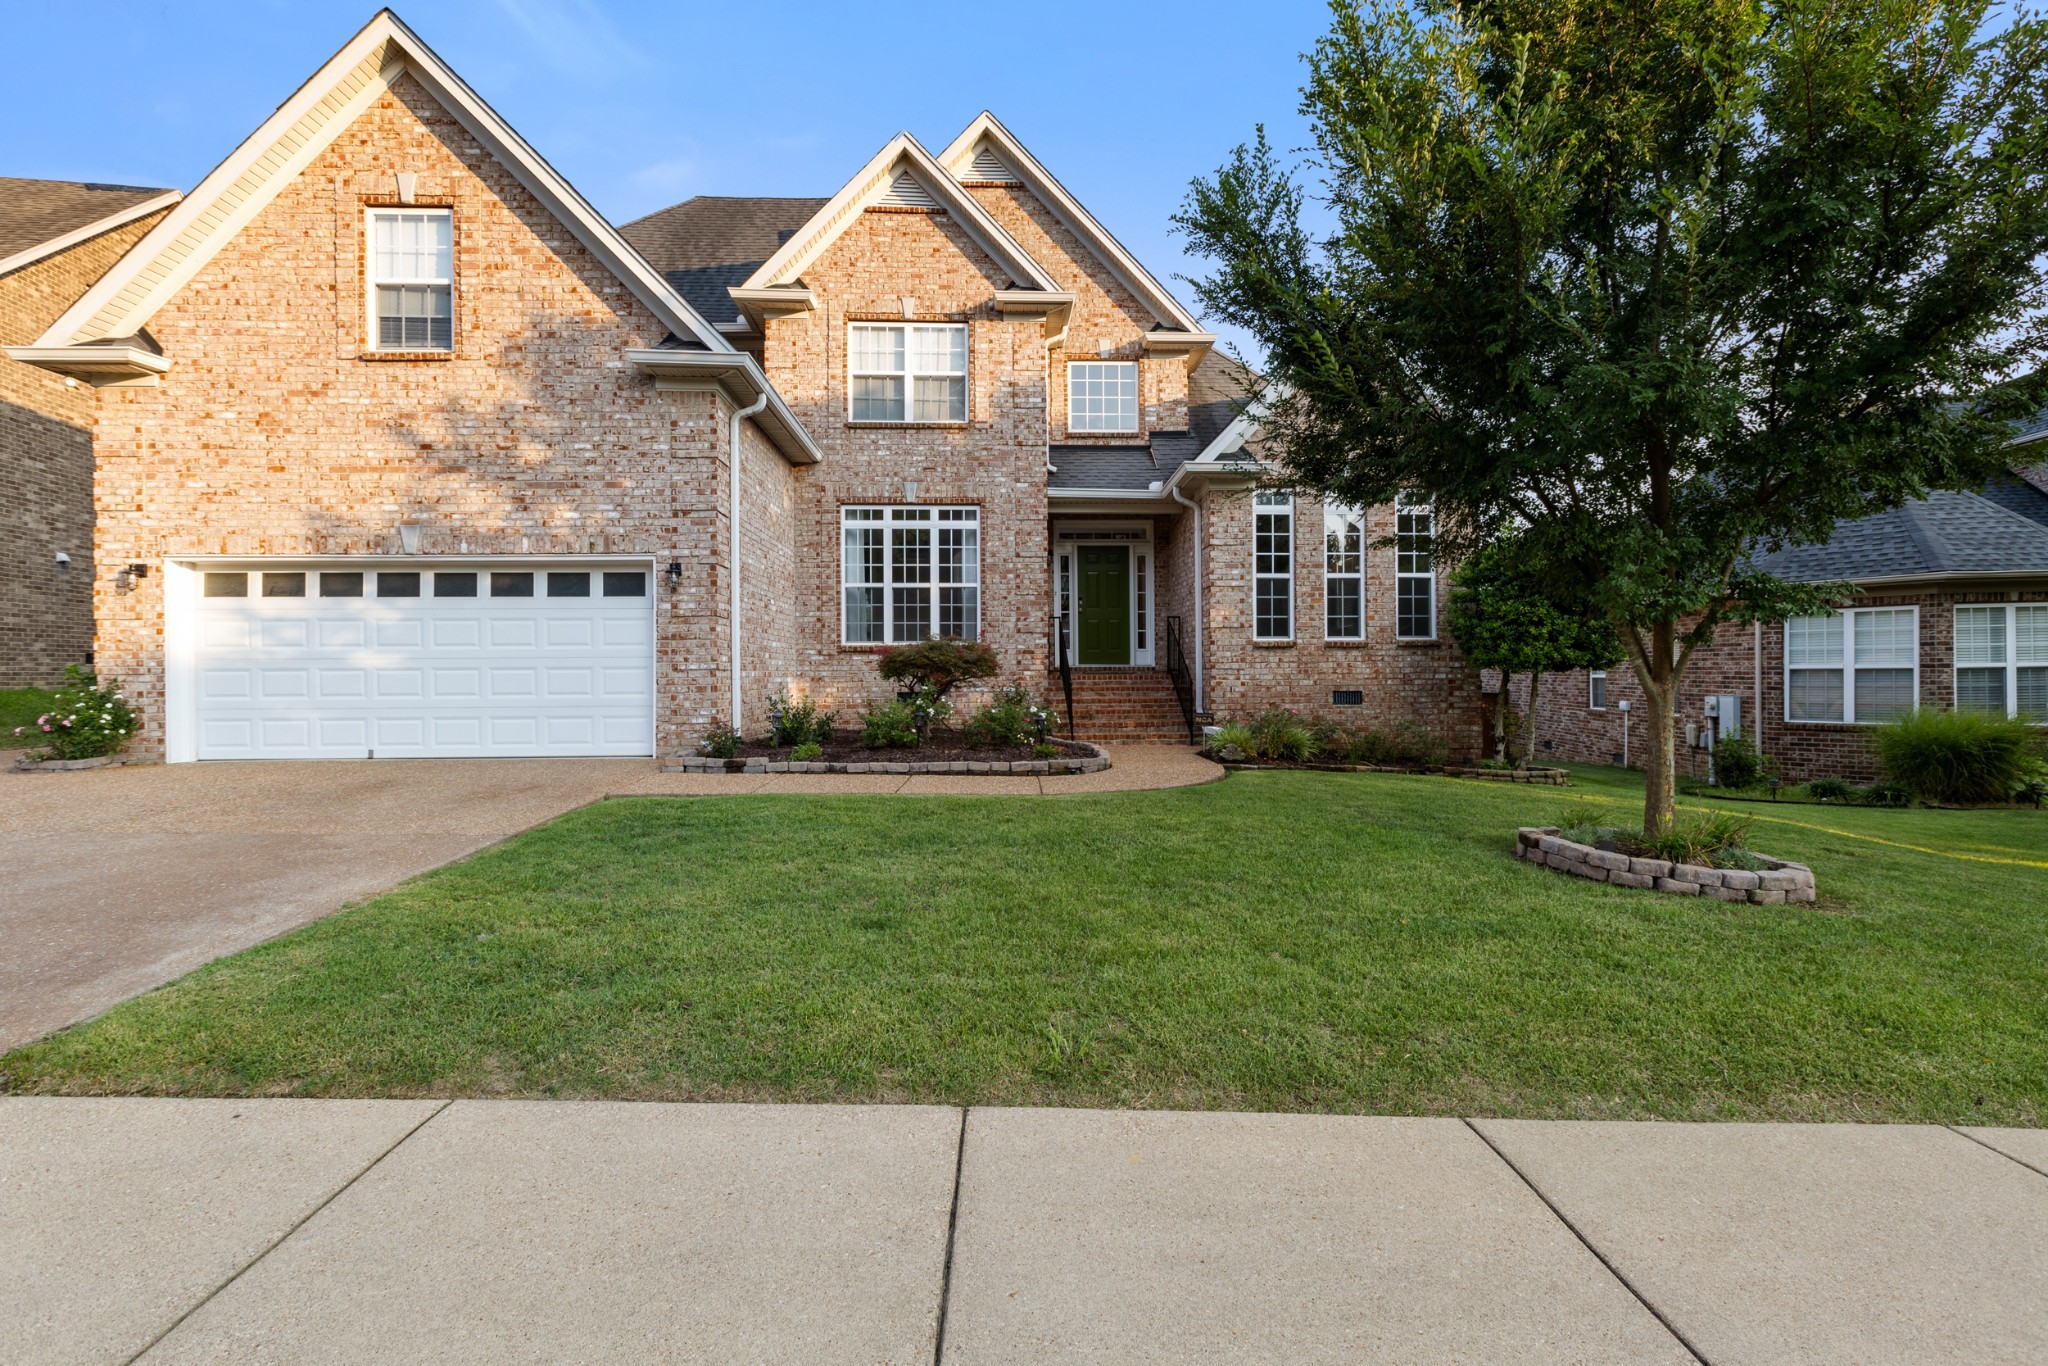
(675, 573)
(409, 537)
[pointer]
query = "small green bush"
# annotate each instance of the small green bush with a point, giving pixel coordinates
(1406, 743)
(1234, 733)
(1958, 756)
(1012, 718)
(1283, 735)
(1737, 763)
(1702, 839)
(890, 725)
(797, 722)
(1830, 789)
(937, 666)
(720, 742)
(1885, 794)
(85, 721)
(1045, 751)
(807, 752)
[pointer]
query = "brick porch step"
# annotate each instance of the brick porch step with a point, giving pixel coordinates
(1128, 706)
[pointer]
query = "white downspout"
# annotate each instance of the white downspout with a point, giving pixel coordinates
(1755, 725)
(733, 525)
(1201, 698)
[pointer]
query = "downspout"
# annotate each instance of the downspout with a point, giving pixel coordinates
(733, 526)
(1201, 698)
(1755, 725)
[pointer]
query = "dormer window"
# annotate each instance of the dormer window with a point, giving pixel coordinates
(412, 279)
(907, 372)
(1102, 396)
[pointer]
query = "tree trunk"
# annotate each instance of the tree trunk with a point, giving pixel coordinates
(1658, 675)
(1500, 717)
(1529, 745)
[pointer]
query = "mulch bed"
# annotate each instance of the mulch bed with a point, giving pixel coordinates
(939, 747)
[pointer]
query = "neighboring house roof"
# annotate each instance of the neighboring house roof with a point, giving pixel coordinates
(1946, 533)
(40, 218)
(123, 302)
(706, 245)
(2020, 494)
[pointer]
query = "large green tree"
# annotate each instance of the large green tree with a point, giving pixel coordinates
(1661, 281)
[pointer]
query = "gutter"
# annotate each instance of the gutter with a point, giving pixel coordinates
(1201, 698)
(739, 419)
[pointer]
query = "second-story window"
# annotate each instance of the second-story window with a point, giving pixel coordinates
(412, 279)
(1102, 396)
(907, 372)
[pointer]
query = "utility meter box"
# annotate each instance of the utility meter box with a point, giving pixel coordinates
(1724, 716)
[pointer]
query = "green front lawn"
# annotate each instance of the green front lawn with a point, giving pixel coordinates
(1290, 941)
(21, 707)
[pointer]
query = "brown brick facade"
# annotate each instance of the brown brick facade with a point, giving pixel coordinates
(46, 470)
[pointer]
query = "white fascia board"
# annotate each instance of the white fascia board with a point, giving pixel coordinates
(740, 376)
(98, 366)
(1109, 495)
(264, 154)
(71, 239)
(1077, 220)
(869, 184)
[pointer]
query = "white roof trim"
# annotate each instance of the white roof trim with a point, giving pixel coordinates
(1233, 437)
(174, 250)
(959, 156)
(741, 377)
(871, 185)
(30, 255)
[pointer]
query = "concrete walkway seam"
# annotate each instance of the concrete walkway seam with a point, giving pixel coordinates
(1994, 1148)
(1587, 1243)
(297, 1224)
(952, 1235)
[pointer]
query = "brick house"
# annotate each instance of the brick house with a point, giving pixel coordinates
(403, 449)
(56, 238)
(1952, 612)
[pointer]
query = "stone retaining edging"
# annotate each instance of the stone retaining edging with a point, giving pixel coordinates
(28, 765)
(1095, 760)
(1547, 777)
(1782, 881)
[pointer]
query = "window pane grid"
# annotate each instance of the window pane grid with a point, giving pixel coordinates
(1273, 566)
(2001, 663)
(1414, 571)
(907, 372)
(1102, 396)
(1860, 666)
(909, 573)
(412, 263)
(1343, 573)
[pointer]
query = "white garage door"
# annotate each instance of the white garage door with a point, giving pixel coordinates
(415, 658)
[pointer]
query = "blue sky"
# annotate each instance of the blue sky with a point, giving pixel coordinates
(643, 104)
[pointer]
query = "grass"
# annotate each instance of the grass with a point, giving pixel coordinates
(1283, 941)
(21, 707)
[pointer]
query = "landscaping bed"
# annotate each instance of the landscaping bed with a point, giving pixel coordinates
(1765, 882)
(1541, 777)
(942, 752)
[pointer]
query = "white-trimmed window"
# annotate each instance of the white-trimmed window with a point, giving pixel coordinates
(907, 372)
(2002, 660)
(412, 279)
(1343, 573)
(1596, 690)
(909, 573)
(1102, 396)
(1860, 666)
(1272, 566)
(1414, 570)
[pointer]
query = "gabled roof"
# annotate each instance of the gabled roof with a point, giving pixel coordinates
(706, 245)
(123, 302)
(985, 136)
(40, 218)
(1945, 534)
(901, 158)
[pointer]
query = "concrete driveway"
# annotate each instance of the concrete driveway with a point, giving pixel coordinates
(114, 881)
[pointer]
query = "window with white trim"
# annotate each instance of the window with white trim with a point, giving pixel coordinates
(909, 573)
(1596, 690)
(1343, 573)
(2002, 660)
(412, 279)
(907, 372)
(1102, 396)
(1414, 570)
(1272, 566)
(1859, 666)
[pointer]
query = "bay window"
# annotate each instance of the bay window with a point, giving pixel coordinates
(1343, 573)
(907, 372)
(1273, 566)
(1858, 666)
(909, 573)
(2002, 660)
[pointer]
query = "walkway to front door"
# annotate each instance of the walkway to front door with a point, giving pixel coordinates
(1104, 636)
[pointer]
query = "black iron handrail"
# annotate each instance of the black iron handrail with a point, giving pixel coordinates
(1066, 669)
(1183, 679)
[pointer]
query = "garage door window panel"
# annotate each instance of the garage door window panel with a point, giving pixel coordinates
(515, 583)
(455, 584)
(398, 583)
(226, 585)
(347, 584)
(286, 585)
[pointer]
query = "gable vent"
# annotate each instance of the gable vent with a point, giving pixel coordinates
(905, 193)
(988, 166)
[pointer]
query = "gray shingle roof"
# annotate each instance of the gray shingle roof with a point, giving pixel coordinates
(1944, 533)
(33, 212)
(704, 245)
(2034, 428)
(1121, 467)
(2020, 494)
(1216, 390)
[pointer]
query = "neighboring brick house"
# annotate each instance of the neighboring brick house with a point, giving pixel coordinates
(56, 238)
(1953, 611)
(402, 449)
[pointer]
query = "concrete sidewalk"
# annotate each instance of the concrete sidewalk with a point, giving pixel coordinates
(285, 1230)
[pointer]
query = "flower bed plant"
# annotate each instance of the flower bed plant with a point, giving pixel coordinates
(84, 721)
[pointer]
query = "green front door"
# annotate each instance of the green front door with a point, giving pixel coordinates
(1104, 635)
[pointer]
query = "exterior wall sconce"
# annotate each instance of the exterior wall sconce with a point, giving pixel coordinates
(675, 574)
(125, 578)
(409, 537)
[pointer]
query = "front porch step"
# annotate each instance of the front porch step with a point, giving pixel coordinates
(1126, 706)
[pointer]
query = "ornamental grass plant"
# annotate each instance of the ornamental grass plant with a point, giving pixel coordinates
(1959, 758)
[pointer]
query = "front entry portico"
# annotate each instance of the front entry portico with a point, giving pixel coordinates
(1104, 629)
(1102, 587)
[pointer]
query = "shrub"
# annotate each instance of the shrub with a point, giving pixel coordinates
(890, 725)
(1012, 718)
(1280, 734)
(1406, 743)
(720, 742)
(1958, 756)
(1234, 733)
(85, 720)
(793, 722)
(1885, 794)
(1702, 839)
(807, 752)
(1369, 747)
(1045, 751)
(1737, 763)
(936, 667)
(1830, 790)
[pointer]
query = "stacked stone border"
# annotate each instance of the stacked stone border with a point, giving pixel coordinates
(1779, 882)
(1089, 759)
(1545, 777)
